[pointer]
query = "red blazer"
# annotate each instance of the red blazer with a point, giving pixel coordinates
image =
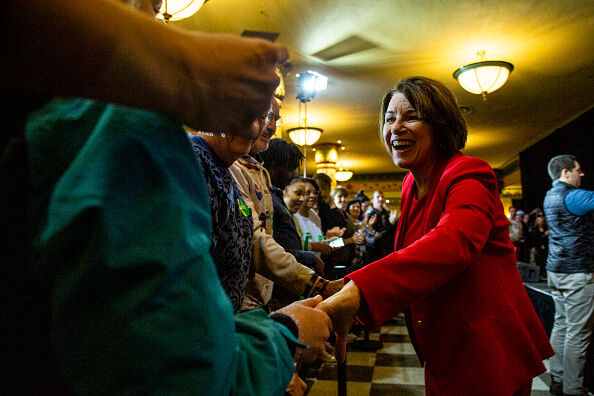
(471, 319)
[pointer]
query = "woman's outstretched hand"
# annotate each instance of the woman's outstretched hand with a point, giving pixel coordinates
(342, 308)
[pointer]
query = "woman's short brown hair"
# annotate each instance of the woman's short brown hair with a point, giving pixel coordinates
(435, 104)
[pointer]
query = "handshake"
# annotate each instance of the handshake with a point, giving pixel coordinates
(316, 318)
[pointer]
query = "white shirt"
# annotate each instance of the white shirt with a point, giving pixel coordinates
(307, 225)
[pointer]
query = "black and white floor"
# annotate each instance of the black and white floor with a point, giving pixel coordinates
(391, 370)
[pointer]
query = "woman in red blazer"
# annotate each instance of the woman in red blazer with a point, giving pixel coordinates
(453, 271)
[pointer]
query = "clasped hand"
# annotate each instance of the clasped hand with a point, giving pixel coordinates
(314, 327)
(342, 308)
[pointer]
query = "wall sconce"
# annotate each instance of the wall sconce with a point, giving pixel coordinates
(483, 77)
(326, 158)
(175, 10)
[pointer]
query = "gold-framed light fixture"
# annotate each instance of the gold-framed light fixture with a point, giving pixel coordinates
(343, 175)
(484, 76)
(175, 10)
(302, 136)
(326, 158)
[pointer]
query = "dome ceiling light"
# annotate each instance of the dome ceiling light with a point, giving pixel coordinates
(343, 174)
(305, 135)
(175, 10)
(483, 77)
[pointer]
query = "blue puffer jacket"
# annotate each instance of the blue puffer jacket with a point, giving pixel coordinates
(571, 237)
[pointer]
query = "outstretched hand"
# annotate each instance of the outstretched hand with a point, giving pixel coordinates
(342, 308)
(235, 77)
(314, 327)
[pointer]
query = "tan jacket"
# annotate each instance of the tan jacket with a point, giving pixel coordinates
(271, 262)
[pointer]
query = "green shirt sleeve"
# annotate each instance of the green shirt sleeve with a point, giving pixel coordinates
(123, 236)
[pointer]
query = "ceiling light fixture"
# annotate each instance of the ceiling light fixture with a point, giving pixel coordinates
(305, 135)
(175, 10)
(343, 174)
(484, 76)
(326, 158)
(308, 84)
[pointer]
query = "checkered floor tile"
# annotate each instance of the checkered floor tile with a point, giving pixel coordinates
(392, 370)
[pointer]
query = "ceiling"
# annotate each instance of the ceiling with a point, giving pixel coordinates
(549, 42)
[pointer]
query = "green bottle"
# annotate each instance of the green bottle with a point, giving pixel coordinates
(306, 243)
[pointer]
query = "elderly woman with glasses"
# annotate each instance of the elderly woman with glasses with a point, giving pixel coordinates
(453, 271)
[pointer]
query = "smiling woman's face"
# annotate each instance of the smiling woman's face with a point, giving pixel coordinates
(311, 195)
(408, 139)
(340, 201)
(294, 196)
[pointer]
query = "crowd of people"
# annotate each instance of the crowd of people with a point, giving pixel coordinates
(530, 235)
(152, 260)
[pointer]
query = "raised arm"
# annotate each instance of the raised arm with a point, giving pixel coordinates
(104, 50)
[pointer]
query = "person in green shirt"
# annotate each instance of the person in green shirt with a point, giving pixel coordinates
(121, 231)
(103, 50)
